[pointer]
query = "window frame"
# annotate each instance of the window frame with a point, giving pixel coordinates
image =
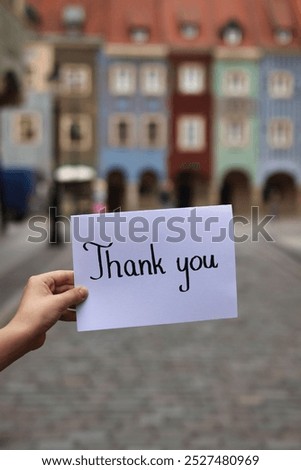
(15, 128)
(161, 121)
(144, 33)
(232, 40)
(283, 36)
(227, 142)
(65, 89)
(291, 88)
(65, 142)
(162, 78)
(246, 89)
(113, 140)
(270, 138)
(201, 143)
(184, 27)
(182, 87)
(113, 70)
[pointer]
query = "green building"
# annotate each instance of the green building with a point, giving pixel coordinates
(236, 142)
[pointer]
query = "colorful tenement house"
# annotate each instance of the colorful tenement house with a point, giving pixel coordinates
(133, 101)
(65, 54)
(279, 168)
(13, 199)
(68, 29)
(206, 93)
(235, 84)
(188, 34)
(29, 127)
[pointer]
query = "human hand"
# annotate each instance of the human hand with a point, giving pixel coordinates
(46, 299)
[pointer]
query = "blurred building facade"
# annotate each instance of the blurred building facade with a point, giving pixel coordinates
(191, 107)
(59, 111)
(133, 103)
(29, 127)
(12, 35)
(12, 16)
(236, 118)
(205, 94)
(279, 165)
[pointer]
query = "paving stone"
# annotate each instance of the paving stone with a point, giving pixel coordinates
(222, 384)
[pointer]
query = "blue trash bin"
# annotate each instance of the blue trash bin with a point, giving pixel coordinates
(17, 186)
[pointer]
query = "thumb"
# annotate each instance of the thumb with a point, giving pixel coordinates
(71, 297)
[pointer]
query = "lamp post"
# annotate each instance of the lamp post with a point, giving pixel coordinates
(3, 208)
(10, 94)
(3, 212)
(54, 199)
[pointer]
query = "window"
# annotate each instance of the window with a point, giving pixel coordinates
(235, 132)
(191, 133)
(153, 79)
(280, 133)
(191, 78)
(153, 131)
(76, 132)
(283, 36)
(281, 84)
(189, 30)
(38, 64)
(122, 79)
(232, 33)
(139, 34)
(233, 36)
(236, 83)
(122, 131)
(75, 79)
(74, 17)
(27, 128)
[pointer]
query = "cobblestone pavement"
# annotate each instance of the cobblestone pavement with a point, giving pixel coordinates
(233, 384)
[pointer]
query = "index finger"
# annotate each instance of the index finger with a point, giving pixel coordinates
(58, 278)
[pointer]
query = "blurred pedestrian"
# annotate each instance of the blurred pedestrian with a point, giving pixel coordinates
(46, 299)
(166, 194)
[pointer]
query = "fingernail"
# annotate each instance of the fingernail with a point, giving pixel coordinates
(83, 292)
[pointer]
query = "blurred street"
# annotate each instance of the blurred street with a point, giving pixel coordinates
(233, 384)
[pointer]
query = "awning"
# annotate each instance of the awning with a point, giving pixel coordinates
(74, 174)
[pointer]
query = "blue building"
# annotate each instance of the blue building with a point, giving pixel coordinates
(279, 170)
(133, 117)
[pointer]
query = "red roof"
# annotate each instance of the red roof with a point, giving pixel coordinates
(273, 15)
(280, 13)
(113, 19)
(51, 14)
(175, 13)
(234, 11)
(123, 15)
